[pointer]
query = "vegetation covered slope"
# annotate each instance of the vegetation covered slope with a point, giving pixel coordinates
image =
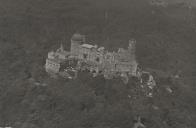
(29, 29)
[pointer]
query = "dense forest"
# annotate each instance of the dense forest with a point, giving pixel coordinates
(30, 98)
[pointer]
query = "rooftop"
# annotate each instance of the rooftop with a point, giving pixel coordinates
(78, 37)
(88, 46)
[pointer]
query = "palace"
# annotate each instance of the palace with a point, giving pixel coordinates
(97, 60)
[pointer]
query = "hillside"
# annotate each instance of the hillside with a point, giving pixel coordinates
(165, 42)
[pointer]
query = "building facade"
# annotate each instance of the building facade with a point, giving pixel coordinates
(96, 59)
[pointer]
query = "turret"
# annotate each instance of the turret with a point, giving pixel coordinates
(61, 47)
(132, 44)
(132, 47)
(76, 40)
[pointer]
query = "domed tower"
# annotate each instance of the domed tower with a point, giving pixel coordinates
(76, 40)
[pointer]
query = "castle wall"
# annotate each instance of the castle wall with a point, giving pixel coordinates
(76, 41)
(52, 66)
(90, 54)
(96, 59)
(75, 47)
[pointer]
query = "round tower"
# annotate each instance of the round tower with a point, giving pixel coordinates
(76, 40)
(132, 47)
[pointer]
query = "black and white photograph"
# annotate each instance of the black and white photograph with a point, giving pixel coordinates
(97, 63)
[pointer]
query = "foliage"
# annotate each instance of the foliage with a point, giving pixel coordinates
(30, 98)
